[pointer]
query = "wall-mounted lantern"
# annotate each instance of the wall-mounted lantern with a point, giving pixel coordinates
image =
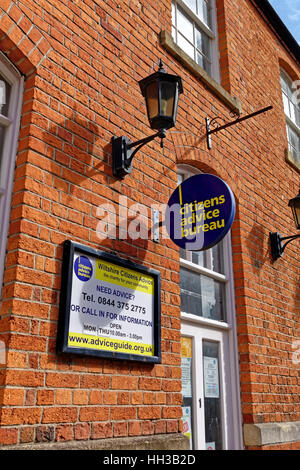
(277, 247)
(161, 91)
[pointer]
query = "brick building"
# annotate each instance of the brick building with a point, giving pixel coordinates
(228, 376)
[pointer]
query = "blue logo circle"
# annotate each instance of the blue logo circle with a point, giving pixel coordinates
(83, 268)
(200, 212)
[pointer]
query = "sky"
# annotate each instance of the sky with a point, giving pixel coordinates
(289, 12)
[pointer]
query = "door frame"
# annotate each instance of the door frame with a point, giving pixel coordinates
(230, 411)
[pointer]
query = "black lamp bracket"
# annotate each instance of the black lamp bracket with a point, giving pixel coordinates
(212, 128)
(123, 151)
(277, 248)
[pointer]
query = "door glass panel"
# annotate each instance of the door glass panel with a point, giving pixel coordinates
(212, 399)
(186, 378)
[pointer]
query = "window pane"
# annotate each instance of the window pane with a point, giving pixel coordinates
(291, 108)
(198, 258)
(296, 113)
(292, 112)
(217, 258)
(200, 60)
(202, 43)
(204, 12)
(5, 90)
(284, 85)
(173, 14)
(185, 26)
(201, 295)
(186, 46)
(192, 4)
(286, 104)
(294, 143)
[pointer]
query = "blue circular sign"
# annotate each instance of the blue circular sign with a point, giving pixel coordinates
(83, 268)
(200, 212)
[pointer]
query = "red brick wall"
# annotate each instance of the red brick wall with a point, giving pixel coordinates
(82, 62)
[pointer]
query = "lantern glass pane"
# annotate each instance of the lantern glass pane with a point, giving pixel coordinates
(168, 91)
(152, 100)
(296, 211)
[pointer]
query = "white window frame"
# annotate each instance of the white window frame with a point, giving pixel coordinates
(8, 158)
(211, 32)
(229, 325)
(289, 122)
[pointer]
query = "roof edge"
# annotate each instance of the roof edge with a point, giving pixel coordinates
(272, 17)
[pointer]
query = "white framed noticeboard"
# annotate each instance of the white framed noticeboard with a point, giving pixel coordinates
(109, 307)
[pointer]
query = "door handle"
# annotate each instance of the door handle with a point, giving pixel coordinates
(200, 403)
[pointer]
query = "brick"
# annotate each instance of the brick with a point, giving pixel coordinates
(122, 413)
(17, 416)
(92, 413)
(82, 431)
(8, 436)
(124, 383)
(64, 432)
(59, 415)
(150, 384)
(45, 397)
(101, 430)
(26, 435)
(45, 434)
(62, 380)
(149, 412)
(120, 429)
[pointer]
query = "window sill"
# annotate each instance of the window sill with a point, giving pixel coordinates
(291, 160)
(167, 42)
(203, 321)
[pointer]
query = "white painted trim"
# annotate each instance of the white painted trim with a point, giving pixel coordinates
(12, 124)
(201, 270)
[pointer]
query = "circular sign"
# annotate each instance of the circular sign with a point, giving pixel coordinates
(200, 212)
(83, 268)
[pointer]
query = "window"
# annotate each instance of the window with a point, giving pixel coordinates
(194, 31)
(11, 89)
(204, 276)
(292, 113)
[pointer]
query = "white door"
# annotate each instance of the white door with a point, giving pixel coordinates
(207, 395)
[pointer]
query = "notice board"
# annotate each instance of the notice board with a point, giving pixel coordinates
(109, 307)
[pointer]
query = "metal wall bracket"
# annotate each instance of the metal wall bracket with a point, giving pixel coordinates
(155, 226)
(210, 122)
(277, 248)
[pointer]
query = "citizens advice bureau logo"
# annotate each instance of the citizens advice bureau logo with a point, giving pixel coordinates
(83, 268)
(200, 212)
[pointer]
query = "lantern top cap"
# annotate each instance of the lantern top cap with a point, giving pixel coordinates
(161, 74)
